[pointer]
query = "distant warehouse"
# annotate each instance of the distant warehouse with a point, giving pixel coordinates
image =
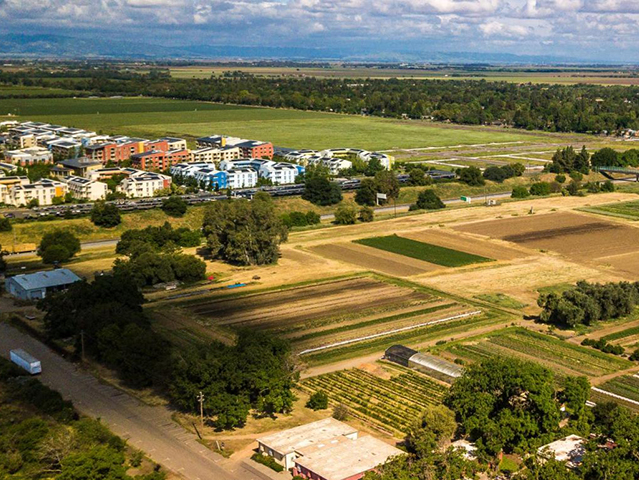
(429, 364)
(35, 286)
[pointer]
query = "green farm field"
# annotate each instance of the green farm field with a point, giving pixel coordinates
(628, 210)
(559, 355)
(626, 386)
(423, 251)
(566, 76)
(12, 91)
(151, 117)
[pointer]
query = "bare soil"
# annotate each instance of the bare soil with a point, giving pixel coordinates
(474, 244)
(576, 236)
(305, 304)
(373, 259)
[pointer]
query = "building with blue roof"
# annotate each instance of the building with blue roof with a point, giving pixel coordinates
(35, 286)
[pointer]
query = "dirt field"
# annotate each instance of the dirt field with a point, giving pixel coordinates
(579, 237)
(467, 243)
(314, 306)
(373, 259)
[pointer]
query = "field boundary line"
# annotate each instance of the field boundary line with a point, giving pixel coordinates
(614, 395)
(390, 332)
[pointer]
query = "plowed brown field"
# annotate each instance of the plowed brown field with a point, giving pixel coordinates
(374, 259)
(310, 305)
(467, 243)
(578, 237)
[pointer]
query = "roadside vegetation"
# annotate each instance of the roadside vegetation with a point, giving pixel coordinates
(42, 436)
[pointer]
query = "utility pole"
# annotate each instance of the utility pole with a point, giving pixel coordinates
(200, 398)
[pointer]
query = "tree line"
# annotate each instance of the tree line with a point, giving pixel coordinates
(557, 108)
(586, 303)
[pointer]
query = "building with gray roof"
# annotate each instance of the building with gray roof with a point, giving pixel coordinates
(35, 286)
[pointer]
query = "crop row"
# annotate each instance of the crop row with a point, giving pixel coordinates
(629, 332)
(393, 404)
(370, 323)
(626, 386)
(524, 343)
(389, 417)
(428, 332)
(557, 351)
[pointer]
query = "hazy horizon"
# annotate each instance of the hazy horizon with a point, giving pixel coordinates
(601, 31)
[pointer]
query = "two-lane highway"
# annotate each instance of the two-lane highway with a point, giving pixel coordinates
(150, 429)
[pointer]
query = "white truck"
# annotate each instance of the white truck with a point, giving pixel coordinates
(26, 361)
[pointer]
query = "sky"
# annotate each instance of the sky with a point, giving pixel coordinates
(592, 30)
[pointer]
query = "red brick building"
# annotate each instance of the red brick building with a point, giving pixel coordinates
(115, 152)
(256, 149)
(161, 145)
(159, 160)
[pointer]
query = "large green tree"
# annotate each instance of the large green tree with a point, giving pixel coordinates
(505, 404)
(243, 232)
(58, 245)
(319, 190)
(105, 215)
(255, 373)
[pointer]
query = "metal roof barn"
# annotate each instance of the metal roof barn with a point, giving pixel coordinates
(35, 286)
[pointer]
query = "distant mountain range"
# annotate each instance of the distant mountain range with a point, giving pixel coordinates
(67, 47)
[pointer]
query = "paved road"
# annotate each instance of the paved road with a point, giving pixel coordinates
(451, 201)
(148, 428)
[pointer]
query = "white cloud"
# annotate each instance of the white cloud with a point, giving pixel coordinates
(499, 29)
(535, 25)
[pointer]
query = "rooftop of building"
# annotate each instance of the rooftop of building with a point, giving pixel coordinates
(148, 153)
(568, 449)
(52, 278)
(80, 162)
(294, 439)
(349, 458)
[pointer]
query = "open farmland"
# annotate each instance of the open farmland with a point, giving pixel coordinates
(423, 251)
(446, 330)
(581, 238)
(385, 262)
(629, 210)
(390, 404)
(325, 313)
(626, 387)
(567, 76)
(625, 338)
(558, 355)
(154, 117)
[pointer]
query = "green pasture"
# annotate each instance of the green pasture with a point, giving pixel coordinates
(154, 117)
(7, 91)
(423, 251)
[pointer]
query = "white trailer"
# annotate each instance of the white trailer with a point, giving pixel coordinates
(26, 361)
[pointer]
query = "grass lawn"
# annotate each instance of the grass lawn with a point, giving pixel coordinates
(155, 117)
(423, 251)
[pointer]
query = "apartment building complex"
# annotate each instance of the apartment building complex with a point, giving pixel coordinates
(29, 156)
(248, 148)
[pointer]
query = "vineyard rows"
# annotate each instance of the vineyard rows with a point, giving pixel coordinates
(392, 405)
